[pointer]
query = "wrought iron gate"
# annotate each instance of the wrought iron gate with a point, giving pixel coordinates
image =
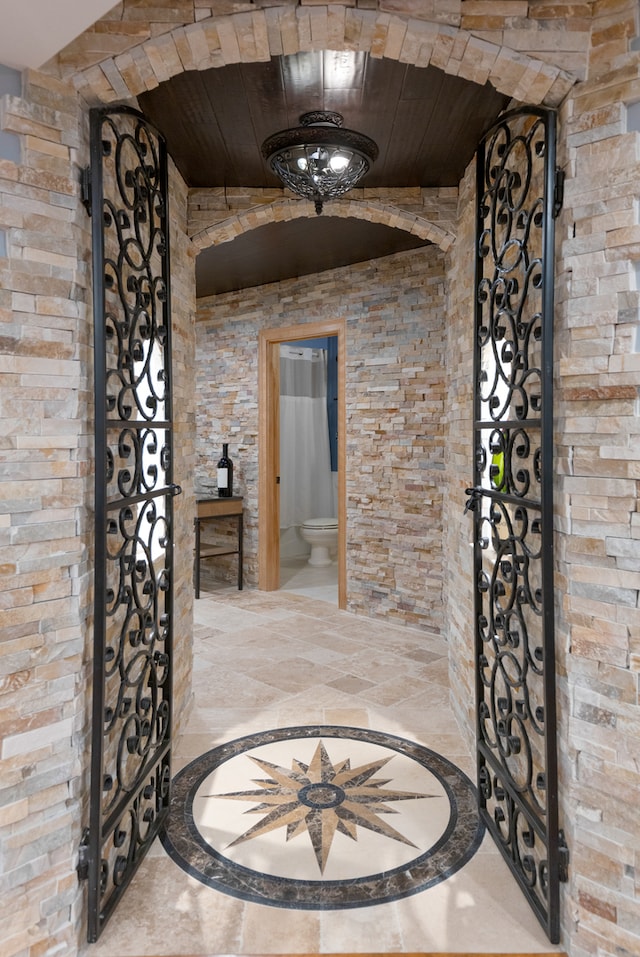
(518, 197)
(126, 195)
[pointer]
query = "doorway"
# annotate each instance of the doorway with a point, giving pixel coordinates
(270, 341)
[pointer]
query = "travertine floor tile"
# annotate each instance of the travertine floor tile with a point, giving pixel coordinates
(282, 660)
(361, 930)
(350, 717)
(478, 909)
(167, 912)
(266, 930)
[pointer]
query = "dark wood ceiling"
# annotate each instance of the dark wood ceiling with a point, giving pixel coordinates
(426, 124)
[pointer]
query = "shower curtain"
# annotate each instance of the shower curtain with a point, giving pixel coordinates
(306, 483)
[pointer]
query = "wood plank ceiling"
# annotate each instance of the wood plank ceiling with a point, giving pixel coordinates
(426, 124)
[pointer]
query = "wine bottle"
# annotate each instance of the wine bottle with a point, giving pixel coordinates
(225, 473)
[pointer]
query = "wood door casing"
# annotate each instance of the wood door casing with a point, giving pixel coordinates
(269, 448)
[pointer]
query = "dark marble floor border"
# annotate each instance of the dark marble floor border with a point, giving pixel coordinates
(456, 846)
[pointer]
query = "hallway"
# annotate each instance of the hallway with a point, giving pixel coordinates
(280, 660)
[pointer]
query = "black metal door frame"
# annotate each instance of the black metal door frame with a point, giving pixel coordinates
(126, 194)
(518, 196)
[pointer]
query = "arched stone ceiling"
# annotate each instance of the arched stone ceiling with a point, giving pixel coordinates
(252, 41)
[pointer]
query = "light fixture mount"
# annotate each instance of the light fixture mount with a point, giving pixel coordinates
(320, 159)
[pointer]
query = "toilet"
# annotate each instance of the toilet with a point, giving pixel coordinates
(322, 535)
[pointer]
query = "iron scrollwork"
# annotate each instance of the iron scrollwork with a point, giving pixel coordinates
(133, 602)
(512, 503)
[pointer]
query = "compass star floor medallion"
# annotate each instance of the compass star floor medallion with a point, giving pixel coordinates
(300, 818)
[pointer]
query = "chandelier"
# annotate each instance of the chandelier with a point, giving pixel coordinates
(319, 160)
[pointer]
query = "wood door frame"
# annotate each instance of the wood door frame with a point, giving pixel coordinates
(269, 341)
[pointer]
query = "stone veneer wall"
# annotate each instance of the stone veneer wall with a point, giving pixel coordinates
(45, 526)
(46, 487)
(394, 309)
(458, 527)
(597, 470)
(183, 312)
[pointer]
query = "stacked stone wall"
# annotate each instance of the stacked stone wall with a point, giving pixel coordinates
(598, 468)
(183, 311)
(45, 522)
(46, 530)
(395, 358)
(458, 526)
(596, 489)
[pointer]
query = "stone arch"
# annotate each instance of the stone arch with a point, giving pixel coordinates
(260, 34)
(289, 209)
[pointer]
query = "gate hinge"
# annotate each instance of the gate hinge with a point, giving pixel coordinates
(563, 858)
(558, 192)
(472, 502)
(85, 187)
(82, 867)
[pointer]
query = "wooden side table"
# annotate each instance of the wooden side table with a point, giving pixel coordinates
(212, 509)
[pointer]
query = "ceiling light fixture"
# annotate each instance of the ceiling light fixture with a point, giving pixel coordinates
(320, 160)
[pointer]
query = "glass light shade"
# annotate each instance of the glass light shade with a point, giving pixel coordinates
(318, 159)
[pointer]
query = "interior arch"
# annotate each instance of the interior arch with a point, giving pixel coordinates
(289, 209)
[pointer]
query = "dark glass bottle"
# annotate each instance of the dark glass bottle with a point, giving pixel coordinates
(225, 473)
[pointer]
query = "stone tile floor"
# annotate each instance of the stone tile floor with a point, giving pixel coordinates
(300, 578)
(275, 660)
